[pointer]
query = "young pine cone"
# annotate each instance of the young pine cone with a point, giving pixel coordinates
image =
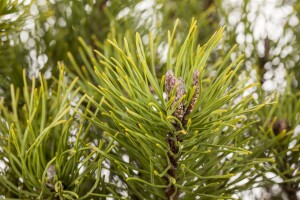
(170, 82)
(180, 91)
(194, 99)
(280, 125)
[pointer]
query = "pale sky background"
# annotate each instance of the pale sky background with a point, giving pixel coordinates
(269, 23)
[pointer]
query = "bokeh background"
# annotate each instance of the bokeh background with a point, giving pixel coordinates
(37, 34)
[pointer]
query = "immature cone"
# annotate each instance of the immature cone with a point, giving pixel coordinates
(170, 82)
(194, 99)
(279, 125)
(180, 91)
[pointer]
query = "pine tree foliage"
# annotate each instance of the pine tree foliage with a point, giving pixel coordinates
(12, 17)
(149, 150)
(42, 147)
(278, 139)
(147, 115)
(172, 151)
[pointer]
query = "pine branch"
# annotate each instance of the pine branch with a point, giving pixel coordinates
(173, 132)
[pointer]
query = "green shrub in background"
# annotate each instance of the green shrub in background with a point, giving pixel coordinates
(151, 115)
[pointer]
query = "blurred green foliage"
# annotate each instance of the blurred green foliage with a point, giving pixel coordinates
(36, 35)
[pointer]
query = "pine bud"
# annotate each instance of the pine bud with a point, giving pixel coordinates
(194, 99)
(279, 125)
(180, 91)
(170, 82)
